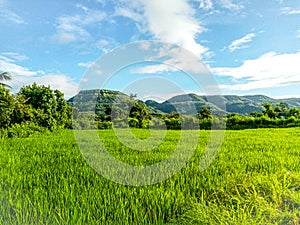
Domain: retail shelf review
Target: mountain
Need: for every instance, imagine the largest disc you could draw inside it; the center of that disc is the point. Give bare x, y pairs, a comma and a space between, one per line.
183, 104
187, 104
88, 100
233, 103
295, 102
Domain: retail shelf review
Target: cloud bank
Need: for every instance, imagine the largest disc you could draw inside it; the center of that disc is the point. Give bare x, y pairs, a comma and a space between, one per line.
22, 76
269, 70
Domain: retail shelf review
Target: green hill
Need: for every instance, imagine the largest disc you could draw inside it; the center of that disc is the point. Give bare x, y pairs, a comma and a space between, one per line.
101, 100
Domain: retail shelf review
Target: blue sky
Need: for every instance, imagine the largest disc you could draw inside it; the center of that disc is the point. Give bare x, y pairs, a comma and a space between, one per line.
250, 46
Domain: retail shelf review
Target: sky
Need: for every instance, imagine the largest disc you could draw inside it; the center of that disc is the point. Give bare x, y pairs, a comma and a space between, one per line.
249, 46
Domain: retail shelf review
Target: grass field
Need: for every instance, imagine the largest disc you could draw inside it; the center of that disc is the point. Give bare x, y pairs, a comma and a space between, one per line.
255, 179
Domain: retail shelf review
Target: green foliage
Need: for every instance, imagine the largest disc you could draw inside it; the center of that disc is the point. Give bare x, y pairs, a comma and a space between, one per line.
49, 107
33, 106
4, 76
156, 122
25, 129
22, 112
6, 107
103, 125
63, 112
294, 112
84, 121
269, 111
139, 114
173, 121
204, 113
206, 123
255, 179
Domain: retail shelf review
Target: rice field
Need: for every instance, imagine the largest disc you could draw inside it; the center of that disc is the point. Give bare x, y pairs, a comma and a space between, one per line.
255, 179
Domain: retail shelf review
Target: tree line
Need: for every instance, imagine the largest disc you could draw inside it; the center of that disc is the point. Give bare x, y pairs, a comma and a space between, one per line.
37, 108
278, 116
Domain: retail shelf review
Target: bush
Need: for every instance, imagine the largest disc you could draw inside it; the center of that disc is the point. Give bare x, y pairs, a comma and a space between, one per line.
3, 133
104, 125
120, 123
133, 122
24, 130
157, 123
173, 123
205, 124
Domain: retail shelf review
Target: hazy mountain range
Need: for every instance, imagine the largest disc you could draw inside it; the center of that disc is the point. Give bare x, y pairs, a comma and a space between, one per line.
185, 104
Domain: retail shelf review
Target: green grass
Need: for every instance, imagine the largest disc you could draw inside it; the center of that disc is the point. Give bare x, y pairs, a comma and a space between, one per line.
255, 179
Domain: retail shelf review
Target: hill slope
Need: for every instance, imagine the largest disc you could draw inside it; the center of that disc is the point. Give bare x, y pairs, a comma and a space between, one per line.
88, 100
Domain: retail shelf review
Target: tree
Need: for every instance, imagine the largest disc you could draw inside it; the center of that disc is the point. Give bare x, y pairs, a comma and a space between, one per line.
23, 112
173, 121
4, 76
256, 114
294, 112
49, 107
6, 107
269, 111
281, 109
132, 96
139, 111
63, 112
204, 113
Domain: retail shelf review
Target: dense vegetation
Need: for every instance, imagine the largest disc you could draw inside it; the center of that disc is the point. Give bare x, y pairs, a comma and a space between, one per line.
111, 109
33, 109
38, 108
255, 179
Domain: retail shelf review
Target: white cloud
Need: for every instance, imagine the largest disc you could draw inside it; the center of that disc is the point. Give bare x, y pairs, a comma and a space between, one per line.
80, 6
228, 4
172, 21
9, 15
129, 13
56, 81
154, 69
298, 33
289, 11
24, 76
171, 58
7, 64
269, 70
169, 21
15, 56
85, 64
239, 43
206, 4
106, 45
225, 4
73, 28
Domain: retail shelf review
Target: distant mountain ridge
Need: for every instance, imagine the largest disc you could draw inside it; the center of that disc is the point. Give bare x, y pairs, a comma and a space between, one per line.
233, 103
186, 103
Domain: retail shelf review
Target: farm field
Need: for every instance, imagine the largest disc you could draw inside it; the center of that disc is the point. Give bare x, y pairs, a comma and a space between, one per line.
255, 179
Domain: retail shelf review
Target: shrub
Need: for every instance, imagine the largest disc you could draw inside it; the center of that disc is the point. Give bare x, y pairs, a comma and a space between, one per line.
25, 130
104, 125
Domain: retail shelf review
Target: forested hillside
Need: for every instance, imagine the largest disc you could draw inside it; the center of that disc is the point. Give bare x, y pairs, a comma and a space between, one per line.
244, 105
